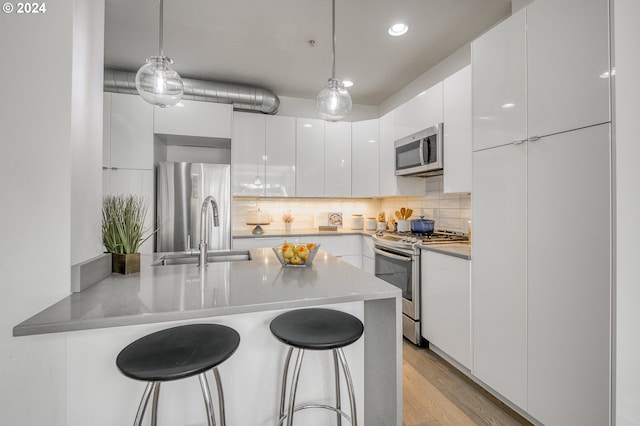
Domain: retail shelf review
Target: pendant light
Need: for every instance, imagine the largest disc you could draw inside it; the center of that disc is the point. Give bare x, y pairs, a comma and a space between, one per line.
156, 81
334, 101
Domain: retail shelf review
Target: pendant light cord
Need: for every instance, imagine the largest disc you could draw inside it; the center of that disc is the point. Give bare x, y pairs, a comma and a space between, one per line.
333, 29
161, 26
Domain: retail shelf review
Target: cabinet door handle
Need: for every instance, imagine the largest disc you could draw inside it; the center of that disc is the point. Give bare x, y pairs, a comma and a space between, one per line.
534, 138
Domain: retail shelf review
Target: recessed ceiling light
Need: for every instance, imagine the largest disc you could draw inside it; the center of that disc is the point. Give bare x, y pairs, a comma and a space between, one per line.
398, 29
508, 105
347, 83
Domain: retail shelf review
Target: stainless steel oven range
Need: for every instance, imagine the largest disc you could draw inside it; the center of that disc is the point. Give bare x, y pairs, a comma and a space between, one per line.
397, 261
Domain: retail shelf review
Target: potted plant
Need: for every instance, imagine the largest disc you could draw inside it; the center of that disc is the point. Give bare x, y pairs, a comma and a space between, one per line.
123, 230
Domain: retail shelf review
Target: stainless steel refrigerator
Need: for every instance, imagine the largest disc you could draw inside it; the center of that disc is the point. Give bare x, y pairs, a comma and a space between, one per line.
181, 189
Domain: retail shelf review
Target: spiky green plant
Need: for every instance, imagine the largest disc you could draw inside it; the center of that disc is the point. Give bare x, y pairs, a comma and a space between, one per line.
123, 223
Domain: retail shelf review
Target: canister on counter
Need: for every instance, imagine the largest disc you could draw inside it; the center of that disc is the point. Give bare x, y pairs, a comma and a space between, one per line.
370, 224
356, 221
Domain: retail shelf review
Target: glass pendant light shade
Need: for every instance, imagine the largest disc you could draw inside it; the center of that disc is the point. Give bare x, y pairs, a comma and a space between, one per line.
158, 83
334, 101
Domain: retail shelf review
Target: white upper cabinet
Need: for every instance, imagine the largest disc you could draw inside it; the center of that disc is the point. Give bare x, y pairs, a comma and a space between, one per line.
365, 174
568, 65
130, 143
248, 154
390, 184
263, 155
194, 118
420, 112
498, 83
309, 157
280, 141
457, 131
337, 159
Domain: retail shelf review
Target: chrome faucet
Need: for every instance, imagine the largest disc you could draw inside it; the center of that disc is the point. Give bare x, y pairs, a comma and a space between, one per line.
204, 234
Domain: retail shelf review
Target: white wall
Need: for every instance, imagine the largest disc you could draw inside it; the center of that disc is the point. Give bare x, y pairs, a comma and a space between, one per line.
86, 130
35, 182
627, 145
42, 125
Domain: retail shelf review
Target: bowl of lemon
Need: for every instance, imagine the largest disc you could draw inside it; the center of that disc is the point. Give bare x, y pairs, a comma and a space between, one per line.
296, 255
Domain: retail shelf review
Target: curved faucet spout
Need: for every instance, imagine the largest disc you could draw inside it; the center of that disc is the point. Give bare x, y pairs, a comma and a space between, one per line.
204, 232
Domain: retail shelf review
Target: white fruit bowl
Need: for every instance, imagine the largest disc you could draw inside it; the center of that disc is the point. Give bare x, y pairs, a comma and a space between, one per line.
300, 258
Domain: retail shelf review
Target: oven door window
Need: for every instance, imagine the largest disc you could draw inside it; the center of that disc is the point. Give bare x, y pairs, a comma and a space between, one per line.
395, 271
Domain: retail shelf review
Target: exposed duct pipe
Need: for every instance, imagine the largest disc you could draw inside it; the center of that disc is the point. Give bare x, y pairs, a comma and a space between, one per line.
244, 98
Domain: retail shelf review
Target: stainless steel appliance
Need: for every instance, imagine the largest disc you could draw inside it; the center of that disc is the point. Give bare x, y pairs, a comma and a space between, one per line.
421, 153
181, 190
397, 261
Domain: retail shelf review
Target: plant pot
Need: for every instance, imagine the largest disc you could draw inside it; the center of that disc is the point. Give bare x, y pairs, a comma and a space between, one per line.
125, 263
287, 226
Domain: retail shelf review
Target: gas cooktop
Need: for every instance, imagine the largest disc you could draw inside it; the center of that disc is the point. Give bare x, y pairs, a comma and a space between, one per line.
409, 238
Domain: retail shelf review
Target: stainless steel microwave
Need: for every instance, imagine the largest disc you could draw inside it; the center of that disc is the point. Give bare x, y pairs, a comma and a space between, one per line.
420, 154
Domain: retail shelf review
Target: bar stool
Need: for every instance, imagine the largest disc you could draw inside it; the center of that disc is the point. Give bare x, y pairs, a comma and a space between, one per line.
177, 353
316, 329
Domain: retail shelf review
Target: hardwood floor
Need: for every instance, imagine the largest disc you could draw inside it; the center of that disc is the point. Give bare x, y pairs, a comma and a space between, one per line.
435, 393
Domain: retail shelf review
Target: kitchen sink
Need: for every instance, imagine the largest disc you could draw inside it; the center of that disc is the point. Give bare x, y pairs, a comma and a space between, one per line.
212, 257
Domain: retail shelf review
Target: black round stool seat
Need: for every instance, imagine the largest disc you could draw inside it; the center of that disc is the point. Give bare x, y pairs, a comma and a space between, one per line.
178, 352
317, 328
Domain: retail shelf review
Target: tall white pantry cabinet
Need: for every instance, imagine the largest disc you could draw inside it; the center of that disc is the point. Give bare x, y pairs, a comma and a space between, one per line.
541, 205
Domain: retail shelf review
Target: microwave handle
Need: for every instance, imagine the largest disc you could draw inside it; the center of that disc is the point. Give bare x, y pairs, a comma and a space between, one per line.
421, 152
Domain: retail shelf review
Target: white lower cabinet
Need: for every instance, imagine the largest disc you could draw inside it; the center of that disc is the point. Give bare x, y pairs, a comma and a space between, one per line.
542, 275
568, 277
445, 298
499, 256
368, 256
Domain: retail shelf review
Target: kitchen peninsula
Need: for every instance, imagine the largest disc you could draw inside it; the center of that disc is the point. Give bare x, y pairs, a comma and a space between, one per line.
99, 321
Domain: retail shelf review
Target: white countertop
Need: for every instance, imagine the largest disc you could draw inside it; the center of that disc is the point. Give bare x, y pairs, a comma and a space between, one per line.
299, 232
178, 292
462, 250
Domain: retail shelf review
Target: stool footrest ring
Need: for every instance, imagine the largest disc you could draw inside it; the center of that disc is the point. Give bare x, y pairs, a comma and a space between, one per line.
321, 406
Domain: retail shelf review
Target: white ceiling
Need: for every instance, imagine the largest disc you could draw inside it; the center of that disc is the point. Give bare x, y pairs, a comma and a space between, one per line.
266, 42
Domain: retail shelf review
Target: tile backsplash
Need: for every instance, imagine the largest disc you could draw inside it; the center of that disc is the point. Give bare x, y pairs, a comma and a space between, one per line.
450, 211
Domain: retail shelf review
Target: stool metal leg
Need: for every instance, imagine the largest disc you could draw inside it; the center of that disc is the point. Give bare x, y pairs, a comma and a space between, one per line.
283, 392
352, 397
294, 387
207, 399
216, 374
337, 376
154, 406
143, 403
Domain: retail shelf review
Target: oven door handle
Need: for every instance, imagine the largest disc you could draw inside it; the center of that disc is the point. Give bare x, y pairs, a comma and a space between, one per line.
391, 255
